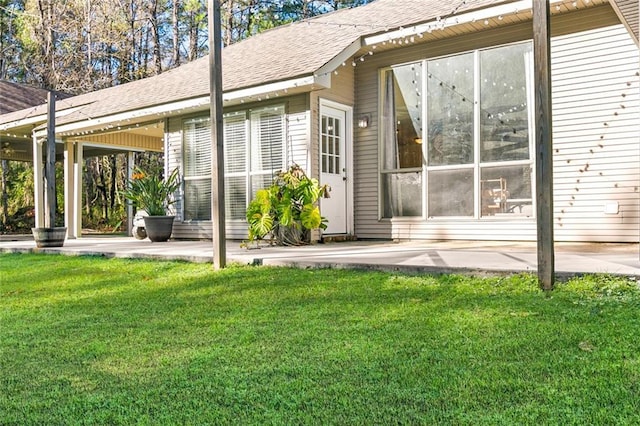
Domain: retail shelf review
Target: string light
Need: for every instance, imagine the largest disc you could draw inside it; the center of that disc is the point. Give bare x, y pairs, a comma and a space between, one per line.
618, 114
440, 23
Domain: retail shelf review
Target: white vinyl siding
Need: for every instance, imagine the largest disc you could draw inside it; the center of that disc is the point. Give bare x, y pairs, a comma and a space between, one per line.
596, 130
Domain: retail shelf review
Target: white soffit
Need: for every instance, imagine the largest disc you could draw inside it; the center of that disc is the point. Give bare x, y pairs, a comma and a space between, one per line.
286, 87
36, 119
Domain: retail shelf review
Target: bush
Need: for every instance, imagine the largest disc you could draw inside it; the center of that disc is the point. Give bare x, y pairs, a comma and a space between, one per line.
288, 210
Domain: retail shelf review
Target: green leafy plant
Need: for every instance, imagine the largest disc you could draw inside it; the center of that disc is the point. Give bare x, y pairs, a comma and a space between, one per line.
152, 193
288, 210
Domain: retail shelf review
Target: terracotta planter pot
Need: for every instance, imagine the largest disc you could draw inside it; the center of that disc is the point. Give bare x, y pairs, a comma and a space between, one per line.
49, 237
159, 228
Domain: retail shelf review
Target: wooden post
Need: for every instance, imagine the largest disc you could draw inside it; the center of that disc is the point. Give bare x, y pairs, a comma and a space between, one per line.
217, 137
544, 149
50, 164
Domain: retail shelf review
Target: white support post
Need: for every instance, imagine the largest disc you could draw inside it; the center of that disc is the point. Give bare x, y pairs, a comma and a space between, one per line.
77, 190
131, 157
69, 189
38, 183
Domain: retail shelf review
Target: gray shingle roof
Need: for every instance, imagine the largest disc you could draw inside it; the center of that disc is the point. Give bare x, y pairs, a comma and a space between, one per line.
283, 53
14, 96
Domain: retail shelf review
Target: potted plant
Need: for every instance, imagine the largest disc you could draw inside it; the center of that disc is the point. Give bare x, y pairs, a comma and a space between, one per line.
288, 210
154, 195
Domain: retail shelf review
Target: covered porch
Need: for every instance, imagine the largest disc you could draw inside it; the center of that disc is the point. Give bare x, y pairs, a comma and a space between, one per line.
73, 145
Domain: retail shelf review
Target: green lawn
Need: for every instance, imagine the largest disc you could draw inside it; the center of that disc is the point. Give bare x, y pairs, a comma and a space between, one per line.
112, 341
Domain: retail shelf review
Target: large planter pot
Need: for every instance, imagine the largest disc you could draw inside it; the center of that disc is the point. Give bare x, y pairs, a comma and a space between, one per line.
158, 228
49, 237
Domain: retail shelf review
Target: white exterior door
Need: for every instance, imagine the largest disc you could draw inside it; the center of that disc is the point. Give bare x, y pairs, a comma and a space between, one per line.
334, 166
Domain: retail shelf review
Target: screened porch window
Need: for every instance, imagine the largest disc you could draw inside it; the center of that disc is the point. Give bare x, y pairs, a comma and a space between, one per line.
473, 112
253, 153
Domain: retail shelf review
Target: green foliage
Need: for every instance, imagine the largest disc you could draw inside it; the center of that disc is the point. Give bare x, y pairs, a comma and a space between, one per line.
151, 192
288, 209
88, 340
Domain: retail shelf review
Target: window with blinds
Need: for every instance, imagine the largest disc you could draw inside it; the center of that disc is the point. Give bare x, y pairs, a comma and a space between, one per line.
235, 163
197, 169
267, 146
254, 144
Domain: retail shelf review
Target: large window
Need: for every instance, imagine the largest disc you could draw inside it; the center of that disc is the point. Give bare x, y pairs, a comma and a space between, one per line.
472, 112
254, 151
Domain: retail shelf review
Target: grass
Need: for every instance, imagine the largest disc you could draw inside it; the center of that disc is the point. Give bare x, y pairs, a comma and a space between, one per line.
112, 341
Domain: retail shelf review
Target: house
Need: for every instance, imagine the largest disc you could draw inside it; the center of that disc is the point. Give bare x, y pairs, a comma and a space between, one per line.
417, 113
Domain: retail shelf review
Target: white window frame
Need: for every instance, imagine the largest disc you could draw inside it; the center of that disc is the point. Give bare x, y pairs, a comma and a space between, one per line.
247, 172
477, 164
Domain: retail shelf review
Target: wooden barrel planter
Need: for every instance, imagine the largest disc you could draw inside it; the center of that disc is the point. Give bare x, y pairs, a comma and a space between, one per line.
49, 237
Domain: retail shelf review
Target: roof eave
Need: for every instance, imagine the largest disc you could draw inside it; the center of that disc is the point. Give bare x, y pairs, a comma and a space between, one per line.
300, 84
271, 90
470, 17
623, 18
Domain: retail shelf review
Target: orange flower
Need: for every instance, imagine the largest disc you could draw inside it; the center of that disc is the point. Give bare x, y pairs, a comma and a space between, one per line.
137, 176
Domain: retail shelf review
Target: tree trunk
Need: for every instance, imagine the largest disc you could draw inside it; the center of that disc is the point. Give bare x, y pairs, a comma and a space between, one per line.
155, 35
175, 56
132, 34
193, 36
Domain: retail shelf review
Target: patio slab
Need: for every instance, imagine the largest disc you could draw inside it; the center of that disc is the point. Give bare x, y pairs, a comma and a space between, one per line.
471, 257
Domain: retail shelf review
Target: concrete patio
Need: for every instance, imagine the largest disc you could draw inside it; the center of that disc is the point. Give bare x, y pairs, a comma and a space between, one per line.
470, 257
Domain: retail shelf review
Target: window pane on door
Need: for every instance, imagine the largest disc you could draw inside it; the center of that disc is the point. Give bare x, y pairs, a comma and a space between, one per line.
197, 169
235, 143
235, 194
331, 143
